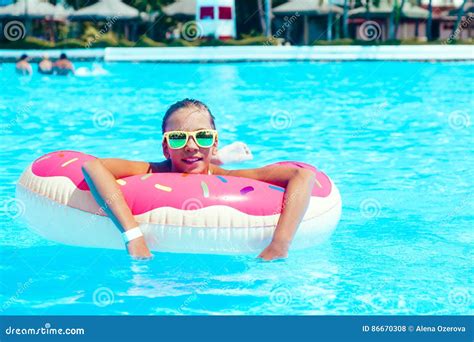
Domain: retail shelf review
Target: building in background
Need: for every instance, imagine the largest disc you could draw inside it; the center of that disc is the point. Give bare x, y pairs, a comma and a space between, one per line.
303, 22
452, 24
445, 15
378, 23
33, 17
439, 3
216, 18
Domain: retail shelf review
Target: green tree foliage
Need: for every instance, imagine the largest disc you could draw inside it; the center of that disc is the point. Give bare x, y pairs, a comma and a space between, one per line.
148, 6
248, 16
359, 3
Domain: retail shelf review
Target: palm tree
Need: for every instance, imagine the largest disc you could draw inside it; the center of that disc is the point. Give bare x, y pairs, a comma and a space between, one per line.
418, 3
458, 20
261, 15
268, 16
430, 20
264, 13
367, 9
329, 31
345, 28
391, 21
398, 17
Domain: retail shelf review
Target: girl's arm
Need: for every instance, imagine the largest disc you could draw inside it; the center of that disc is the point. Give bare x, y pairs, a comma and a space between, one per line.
299, 184
101, 175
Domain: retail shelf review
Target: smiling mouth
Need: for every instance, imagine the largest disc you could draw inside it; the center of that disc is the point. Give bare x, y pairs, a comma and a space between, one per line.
191, 161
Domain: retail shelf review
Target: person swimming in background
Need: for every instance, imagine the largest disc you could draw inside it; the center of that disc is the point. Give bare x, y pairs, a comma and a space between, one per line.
189, 143
23, 66
45, 66
63, 66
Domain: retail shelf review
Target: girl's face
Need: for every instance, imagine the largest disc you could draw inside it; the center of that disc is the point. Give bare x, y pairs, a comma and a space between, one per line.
191, 158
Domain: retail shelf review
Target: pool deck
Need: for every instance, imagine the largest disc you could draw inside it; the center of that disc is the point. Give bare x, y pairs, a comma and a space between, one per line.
260, 53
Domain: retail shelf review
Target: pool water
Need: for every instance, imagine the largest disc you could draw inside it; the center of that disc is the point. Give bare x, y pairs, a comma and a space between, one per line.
394, 137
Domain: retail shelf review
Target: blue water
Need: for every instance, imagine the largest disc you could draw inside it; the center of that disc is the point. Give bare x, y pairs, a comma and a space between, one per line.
394, 136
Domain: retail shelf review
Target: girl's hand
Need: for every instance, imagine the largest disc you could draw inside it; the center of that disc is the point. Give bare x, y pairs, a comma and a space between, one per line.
138, 249
233, 153
275, 250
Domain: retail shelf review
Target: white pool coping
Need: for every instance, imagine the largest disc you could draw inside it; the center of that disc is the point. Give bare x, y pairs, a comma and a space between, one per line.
54, 53
261, 53
291, 53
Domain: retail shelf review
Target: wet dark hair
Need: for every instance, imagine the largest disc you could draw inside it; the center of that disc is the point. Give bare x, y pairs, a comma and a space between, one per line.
62, 56
186, 103
23, 56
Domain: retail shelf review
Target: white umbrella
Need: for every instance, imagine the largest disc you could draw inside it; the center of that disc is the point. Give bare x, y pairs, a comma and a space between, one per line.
385, 9
306, 7
61, 12
181, 7
34, 9
106, 9
30, 8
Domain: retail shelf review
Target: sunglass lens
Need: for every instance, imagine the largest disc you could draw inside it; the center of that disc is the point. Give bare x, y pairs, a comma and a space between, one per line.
205, 138
177, 140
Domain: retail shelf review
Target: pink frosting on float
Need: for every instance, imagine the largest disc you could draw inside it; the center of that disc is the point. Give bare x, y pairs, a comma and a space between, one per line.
63, 163
144, 193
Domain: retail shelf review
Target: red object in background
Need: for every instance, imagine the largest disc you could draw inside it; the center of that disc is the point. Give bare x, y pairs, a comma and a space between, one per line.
225, 13
207, 12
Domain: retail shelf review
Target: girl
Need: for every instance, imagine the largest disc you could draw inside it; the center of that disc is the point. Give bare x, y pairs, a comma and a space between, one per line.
189, 143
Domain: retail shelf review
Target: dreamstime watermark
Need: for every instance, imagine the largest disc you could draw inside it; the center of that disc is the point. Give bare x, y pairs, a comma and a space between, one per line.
370, 30
14, 30
103, 119
192, 206
459, 297
21, 115
286, 25
13, 208
103, 296
281, 119
21, 288
376, 112
465, 203
465, 23
287, 199
101, 211
280, 296
319, 301
379, 301
193, 297
458, 120
379, 108
109, 200
46, 330
108, 25
370, 208
191, 31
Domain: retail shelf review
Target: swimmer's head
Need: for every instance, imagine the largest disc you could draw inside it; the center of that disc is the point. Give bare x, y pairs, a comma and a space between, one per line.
62, 56
23, 57
189, 115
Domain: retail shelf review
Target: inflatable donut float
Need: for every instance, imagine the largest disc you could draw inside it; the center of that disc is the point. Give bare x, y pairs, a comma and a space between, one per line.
181, 213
